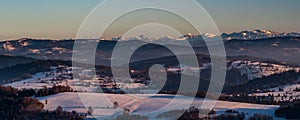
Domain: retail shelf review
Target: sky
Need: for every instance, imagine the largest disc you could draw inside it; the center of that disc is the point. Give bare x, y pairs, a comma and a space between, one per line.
60, 19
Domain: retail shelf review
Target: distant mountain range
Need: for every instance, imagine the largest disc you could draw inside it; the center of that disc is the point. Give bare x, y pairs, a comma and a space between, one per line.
257, 34
283, 47
259, 46
243, 35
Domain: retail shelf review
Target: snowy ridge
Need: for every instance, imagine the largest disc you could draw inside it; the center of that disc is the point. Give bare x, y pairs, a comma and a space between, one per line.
243, 35
8, 47
255, 70
257, 34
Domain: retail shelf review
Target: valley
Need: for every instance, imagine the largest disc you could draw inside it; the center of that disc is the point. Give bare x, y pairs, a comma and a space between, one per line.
262, 78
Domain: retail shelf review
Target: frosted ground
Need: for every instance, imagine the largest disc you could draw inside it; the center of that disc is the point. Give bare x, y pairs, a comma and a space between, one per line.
145, 104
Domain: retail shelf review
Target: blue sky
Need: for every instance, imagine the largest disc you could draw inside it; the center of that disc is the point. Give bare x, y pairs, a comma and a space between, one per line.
62, 18
234, 15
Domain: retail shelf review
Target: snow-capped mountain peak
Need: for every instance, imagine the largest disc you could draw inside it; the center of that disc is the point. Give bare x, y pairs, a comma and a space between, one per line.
145, 38
166, 38
257, 34
140, 37
209, 35
243, 35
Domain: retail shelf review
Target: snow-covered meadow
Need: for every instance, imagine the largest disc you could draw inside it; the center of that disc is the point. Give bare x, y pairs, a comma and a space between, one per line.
145, 104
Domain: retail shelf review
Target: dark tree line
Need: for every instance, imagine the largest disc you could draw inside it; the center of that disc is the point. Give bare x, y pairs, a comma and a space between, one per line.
16, 105
44, 91
23, 71
264, 83
260, 117
265, 100
54, 90
289, 110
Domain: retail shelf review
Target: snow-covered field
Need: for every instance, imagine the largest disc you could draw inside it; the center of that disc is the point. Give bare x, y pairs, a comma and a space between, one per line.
55, 77
38, 81
287, 92
145, 104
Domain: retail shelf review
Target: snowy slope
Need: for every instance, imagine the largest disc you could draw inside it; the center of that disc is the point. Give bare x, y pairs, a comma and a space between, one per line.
37, 81
140, 104
255, 70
